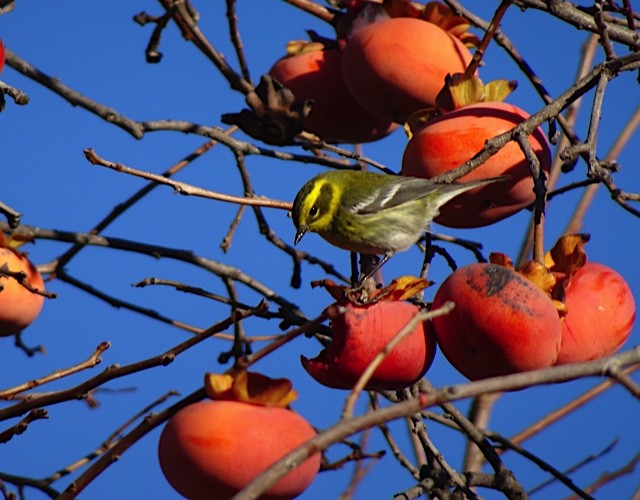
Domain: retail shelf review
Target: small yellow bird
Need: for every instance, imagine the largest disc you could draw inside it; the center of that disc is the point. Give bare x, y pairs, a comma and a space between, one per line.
372, 213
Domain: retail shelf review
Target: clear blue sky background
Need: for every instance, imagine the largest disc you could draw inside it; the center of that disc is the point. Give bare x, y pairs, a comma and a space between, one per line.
96, 48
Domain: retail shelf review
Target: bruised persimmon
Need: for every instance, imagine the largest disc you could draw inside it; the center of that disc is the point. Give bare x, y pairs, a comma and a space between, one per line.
600, 314
359, 334
454, 138
335, 116
212, 449
502, 323
397, 66
18, 305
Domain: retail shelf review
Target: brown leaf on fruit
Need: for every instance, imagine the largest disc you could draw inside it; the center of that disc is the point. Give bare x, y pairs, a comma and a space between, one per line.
460, 90
402, 288
568, 254
501, 259
275, 117
338, 292
249, 387
441, 15
418, 119
539, 274
296, 47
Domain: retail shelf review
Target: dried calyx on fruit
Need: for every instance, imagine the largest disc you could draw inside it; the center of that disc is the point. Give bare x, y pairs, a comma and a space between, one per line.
249, 387
275, 115
459, 91
362, 331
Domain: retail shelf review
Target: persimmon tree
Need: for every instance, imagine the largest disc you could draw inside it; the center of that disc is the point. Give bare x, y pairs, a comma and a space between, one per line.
194, 99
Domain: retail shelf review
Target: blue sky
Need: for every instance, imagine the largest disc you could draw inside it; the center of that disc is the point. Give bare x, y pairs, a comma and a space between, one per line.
96, 48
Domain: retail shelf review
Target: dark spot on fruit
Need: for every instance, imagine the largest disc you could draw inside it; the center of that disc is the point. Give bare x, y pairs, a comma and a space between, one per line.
497, 278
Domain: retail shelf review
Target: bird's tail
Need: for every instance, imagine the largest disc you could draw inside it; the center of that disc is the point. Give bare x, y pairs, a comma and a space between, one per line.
449, 191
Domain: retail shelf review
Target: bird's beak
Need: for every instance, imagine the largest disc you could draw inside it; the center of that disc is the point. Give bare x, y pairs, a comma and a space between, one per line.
300, 233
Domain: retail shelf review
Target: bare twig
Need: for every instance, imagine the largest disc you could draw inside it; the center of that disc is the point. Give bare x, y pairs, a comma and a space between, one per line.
90, 362
574, 468
115, 371
566, 409
108, 443
184, 188
182, 15
121, 208
352, 425
21, 426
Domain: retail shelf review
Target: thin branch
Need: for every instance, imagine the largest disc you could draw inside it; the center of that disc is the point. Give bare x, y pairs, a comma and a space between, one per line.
577, 219
184, 188
488, 36
234, 33
122, 304
393, 445
72, 96
116, 371
544, 465
20, 427
566, 409
607, 477
121, 208
90, 362
479, 413
313, 8
585, 461
154, 420
183, 15
571, 14
108, 443
352, 425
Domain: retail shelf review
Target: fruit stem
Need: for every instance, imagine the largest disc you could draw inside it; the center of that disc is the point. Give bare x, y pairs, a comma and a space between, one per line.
486, 39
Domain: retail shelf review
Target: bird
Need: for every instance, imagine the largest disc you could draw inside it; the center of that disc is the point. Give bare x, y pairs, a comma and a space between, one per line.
372, 213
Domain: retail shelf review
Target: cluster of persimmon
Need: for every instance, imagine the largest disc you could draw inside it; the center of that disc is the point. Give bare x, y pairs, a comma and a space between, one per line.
395, 63
565, 310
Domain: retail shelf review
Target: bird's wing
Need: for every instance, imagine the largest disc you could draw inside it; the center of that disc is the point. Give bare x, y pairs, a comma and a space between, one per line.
403, 190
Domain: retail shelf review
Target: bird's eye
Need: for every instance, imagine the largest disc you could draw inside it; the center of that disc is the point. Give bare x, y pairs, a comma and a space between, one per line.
313, 211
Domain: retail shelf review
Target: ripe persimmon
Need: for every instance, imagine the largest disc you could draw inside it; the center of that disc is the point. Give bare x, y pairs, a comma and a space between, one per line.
502, 323
18, 305
397, 66
212, 449
335, 116
454, 138
359, 334
601, 312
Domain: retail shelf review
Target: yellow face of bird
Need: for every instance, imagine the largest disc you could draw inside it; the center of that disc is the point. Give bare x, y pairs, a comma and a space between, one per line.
315, 206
